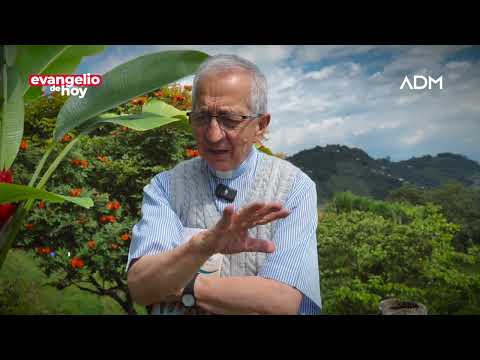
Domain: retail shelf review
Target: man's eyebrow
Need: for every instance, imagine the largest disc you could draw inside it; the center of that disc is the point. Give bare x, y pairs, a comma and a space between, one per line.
219, 110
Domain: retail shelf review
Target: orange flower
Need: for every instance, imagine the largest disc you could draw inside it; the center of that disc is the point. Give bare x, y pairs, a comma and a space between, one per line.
66, 138
124, 128
29, 226
139, 101
107, 218
41, 205
81, 163
92, 244
187, 87
76, 192
102, 158
77, 263
24, 145
192, 153
158, 93
44, 250
125, 237
113, 205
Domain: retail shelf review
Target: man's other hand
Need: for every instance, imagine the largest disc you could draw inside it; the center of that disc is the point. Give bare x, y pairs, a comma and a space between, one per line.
230, 234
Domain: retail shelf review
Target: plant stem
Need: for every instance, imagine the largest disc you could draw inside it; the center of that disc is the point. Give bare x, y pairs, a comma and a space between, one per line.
56, 162
41, 164
46, 176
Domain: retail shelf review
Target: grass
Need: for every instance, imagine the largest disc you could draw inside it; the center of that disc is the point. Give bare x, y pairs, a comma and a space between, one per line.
23, 292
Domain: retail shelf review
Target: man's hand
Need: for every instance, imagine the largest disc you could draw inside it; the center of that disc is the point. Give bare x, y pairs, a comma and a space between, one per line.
230, 234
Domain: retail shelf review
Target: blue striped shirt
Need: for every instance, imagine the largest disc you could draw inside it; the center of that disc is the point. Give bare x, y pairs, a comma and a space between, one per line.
294, 261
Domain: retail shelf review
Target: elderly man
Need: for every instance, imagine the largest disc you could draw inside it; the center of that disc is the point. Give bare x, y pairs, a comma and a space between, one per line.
255, 214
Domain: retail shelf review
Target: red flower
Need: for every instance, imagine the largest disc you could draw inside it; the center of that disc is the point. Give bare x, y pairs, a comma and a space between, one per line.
81, 163
77, 263
66, 138
6, 212
92, 244
179, 98
192, 153
139, 101
44, 250
125, 237
113, 205
6, 176
76, 192
24, 145
29, 226
41, 205
107, 218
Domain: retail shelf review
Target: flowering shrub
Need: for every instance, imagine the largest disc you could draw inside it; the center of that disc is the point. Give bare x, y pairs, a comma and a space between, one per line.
88, 248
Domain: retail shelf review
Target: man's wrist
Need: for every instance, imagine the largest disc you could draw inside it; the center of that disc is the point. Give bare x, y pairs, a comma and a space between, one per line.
200, 245
201, 287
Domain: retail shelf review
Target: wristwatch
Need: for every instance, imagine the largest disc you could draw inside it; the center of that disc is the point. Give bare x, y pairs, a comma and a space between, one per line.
188, 295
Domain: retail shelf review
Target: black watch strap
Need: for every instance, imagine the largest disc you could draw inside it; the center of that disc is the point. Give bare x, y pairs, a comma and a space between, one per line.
189, 289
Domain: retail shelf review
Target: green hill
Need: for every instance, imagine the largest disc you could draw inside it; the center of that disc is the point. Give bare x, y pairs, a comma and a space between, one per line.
336, 168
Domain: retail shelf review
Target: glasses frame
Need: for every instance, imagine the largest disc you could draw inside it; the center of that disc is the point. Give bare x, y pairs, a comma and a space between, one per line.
244, 117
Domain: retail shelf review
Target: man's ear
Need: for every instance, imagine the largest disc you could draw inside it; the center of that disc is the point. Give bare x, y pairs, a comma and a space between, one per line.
263, 123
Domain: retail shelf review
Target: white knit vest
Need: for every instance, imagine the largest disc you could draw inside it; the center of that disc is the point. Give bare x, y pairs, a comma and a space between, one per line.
193, 202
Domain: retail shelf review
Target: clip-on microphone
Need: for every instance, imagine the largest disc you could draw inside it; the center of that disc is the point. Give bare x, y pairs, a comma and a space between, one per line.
225, 192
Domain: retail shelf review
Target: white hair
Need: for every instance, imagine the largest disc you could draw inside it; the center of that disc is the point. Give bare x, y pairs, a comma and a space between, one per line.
225, 63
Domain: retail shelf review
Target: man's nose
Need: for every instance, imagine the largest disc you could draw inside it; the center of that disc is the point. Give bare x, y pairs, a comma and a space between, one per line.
214, 132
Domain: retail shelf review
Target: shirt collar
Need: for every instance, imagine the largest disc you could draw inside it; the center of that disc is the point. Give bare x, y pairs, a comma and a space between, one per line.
245, 165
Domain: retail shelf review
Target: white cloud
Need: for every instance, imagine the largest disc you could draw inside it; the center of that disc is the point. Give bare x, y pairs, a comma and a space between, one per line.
415, 138
315, 53
321, 74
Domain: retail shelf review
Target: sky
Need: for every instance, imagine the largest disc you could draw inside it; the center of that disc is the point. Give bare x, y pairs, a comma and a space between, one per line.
350, 95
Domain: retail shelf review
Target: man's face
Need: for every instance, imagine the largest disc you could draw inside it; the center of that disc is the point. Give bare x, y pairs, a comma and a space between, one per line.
226, 93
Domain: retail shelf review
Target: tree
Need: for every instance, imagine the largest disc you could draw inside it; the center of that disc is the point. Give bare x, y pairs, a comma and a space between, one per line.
459, 204
88, 248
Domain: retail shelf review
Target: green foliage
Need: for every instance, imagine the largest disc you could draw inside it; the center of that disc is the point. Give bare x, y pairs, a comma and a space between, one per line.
460, 205
393, 250
40, 117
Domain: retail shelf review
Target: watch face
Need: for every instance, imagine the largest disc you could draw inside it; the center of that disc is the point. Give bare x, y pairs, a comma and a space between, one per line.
188, 300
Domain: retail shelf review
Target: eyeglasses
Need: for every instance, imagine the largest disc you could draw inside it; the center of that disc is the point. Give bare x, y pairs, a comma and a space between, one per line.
226, 121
